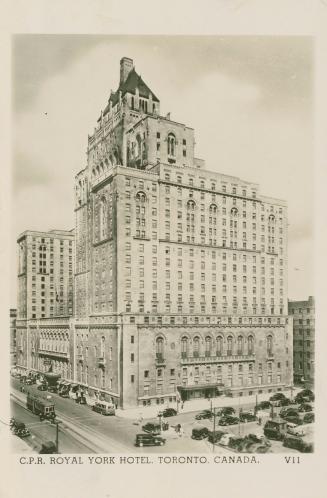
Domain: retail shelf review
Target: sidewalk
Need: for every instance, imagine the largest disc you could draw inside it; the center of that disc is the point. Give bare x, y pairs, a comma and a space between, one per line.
147, 412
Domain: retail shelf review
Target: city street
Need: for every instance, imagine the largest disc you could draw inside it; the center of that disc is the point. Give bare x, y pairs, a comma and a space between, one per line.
84, 431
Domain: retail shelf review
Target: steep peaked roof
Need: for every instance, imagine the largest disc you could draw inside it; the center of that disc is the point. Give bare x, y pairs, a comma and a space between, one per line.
132, 82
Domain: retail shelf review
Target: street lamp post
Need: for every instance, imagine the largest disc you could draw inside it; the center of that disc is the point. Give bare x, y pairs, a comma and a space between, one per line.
214, 430
57, 422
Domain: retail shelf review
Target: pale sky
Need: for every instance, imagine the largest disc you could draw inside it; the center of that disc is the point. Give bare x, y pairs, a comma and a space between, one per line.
249, 100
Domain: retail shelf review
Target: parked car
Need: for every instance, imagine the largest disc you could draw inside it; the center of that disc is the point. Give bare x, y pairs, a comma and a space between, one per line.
309, 418
149, 440
288, 412
277, 397
48, 447
305, 407
200, 433
224, 440
281, 402
226, 410
42, 387
228, 420
247, 417
151, 428
169, 412
204, 414
263, 405
293, 419
275, 429
295, 430
214, 437
304, 396
298, 444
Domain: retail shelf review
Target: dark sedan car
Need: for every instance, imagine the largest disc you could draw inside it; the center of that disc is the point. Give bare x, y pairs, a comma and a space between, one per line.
169, 412
305, 407
247, 417
228, 421
151, 428
204, 414
226, 410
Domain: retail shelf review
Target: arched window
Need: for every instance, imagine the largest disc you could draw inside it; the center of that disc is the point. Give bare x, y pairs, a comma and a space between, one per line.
271, 219
103, 218
269, 345
196, 347
190, 205
213, 209
184, 347
171, 145
250, 345
229, 345
219, 346
140, 197
159, 348
234, 212
208, 343
240, 345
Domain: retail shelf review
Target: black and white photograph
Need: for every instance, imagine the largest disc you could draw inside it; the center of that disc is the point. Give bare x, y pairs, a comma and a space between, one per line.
162, 290
162, 249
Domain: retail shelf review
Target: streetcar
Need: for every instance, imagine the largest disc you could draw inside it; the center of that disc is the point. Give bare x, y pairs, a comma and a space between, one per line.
39, 405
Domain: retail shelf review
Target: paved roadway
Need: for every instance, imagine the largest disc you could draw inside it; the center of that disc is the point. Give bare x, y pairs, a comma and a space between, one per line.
86, 431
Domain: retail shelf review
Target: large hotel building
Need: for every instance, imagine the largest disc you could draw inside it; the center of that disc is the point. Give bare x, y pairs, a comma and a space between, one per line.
181, 272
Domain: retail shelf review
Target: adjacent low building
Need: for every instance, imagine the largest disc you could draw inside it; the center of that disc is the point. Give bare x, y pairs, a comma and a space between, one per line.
303, 313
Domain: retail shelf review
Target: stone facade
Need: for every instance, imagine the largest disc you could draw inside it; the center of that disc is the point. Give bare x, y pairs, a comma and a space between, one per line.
181, 272
303, 313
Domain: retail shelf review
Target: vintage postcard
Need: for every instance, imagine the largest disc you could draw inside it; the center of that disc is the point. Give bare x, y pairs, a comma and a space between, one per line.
163, 296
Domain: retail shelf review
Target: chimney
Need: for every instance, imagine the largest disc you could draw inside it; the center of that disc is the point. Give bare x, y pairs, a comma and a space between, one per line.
126, 65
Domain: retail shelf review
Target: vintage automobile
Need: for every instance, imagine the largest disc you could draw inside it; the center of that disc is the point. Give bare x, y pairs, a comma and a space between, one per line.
19, 429
305, 407
226, 410
297, 443
169, 412
309, 418
277, 397
204, 414
263, 405
305, 396
49, 447
247, 417
200, 433
149, 440
275, 429
151, 428
228, 420
288, 412
214, 437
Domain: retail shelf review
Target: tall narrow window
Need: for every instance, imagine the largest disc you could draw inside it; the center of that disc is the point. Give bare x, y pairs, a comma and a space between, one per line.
196, 347
250, 345
229, 345
208, 346
159, 348
219, 346
171, 145
269, 345
103, 218
240, 345
184, 347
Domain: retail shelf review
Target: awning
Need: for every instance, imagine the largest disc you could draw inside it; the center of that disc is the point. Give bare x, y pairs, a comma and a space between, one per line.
198, 387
